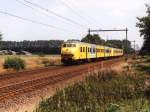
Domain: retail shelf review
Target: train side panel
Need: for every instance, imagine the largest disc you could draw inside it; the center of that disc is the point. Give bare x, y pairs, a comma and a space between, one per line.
77, 51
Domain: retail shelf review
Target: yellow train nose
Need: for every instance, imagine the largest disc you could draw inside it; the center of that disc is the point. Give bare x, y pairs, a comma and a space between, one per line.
66, 51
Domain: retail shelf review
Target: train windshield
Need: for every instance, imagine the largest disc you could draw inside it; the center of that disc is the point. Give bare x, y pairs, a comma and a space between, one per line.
69, 45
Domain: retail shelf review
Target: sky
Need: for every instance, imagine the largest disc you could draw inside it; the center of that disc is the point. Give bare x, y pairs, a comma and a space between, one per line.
84, 14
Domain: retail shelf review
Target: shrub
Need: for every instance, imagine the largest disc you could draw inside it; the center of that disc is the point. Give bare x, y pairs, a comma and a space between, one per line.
113, 108
125, 58
14, 63
41, 54
145, 68
147, 59
47, 62
102, 92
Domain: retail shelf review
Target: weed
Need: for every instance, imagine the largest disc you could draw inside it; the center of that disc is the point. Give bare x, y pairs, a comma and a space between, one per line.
145, 68
14, 63
45, 62
102, 92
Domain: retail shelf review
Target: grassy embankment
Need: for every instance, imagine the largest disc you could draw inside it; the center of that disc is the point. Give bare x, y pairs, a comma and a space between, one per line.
142, 65
33, 61
109, 91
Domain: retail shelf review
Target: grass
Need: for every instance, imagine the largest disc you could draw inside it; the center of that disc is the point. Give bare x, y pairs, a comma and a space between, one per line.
33, 61
147, 60
142, 65
107, 91
143, 68
101, 92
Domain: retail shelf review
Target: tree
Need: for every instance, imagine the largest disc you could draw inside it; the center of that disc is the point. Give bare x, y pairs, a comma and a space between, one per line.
121, 44
96, 39
0, 36
127, 46
114, 43
93, 39
37, 47
144, 26
0, 40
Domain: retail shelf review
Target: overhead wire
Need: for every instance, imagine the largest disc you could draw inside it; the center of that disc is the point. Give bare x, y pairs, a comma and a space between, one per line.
54, 13
88, 18
74, 11
32, 21
19, 1
22, 3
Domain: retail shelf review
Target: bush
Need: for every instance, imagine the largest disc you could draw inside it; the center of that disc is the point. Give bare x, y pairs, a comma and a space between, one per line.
147, 59
125, 58
47, 62
102, 92
41, 54
14, 63
144, 68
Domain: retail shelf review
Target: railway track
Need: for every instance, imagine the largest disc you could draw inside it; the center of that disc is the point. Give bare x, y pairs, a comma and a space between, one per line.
26, 72
59, 74
10, 91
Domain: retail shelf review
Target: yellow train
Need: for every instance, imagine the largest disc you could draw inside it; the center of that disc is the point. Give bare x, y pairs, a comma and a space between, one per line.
79, 51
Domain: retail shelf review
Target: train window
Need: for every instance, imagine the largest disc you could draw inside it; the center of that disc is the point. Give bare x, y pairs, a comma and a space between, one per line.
80, 49
69, 45
64, 45
86, 49
93, 50
83, 49
107, 51
73, 45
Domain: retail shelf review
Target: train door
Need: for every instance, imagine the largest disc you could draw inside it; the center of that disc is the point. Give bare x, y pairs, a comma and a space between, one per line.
81, 50
109, 52
104, 51
86, 52
93, 53
96, 49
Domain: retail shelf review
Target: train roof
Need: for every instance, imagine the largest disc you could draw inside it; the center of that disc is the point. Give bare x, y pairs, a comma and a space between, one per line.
79, 42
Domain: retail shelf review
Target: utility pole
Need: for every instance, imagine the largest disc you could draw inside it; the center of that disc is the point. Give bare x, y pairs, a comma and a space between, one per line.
126, 41
134, 47
89, 31
117, 30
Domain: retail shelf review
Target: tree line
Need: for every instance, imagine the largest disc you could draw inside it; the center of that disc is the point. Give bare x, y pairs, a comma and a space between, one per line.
54, 46
37, 47
144, 28
96, 39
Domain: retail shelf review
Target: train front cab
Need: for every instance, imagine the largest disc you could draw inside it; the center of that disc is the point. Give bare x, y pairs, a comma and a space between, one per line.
69, 52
